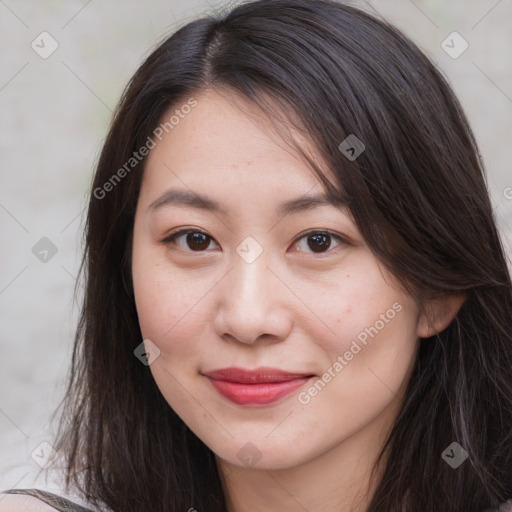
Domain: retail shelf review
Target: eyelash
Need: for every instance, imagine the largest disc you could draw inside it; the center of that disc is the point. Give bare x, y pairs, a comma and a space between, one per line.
172, 237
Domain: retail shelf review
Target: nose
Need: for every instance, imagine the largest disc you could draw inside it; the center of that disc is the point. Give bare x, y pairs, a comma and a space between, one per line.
253, 304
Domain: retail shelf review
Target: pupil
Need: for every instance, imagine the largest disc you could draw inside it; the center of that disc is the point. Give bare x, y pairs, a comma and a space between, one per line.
320, 242
197, 240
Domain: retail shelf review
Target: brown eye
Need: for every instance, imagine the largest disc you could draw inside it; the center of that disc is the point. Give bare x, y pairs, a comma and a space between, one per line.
197, 240
194, 240
318, 241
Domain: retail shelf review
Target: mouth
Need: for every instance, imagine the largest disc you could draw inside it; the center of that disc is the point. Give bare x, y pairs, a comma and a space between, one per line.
259, 387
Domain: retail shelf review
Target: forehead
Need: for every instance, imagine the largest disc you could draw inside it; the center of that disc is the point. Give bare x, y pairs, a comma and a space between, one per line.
225, 143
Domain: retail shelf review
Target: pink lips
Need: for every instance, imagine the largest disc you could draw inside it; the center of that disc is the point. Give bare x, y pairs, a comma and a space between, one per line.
262, 386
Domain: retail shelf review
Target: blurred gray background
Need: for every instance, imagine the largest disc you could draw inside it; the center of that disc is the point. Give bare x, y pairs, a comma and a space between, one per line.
55, 111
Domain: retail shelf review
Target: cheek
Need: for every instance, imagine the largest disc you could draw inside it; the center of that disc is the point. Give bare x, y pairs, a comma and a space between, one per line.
170, 309
366, 368
360, 307
370, 362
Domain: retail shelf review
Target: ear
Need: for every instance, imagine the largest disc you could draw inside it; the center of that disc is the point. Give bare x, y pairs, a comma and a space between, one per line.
438, 314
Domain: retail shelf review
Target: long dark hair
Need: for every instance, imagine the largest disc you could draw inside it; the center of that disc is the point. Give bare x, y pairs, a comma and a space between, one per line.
419, 198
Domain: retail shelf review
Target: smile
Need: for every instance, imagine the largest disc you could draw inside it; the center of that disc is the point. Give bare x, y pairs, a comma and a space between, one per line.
258, 387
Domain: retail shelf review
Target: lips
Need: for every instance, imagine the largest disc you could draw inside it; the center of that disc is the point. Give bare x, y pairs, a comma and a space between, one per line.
259, 387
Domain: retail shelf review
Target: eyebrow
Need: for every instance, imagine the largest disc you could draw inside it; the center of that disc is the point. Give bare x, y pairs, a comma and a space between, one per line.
188, 199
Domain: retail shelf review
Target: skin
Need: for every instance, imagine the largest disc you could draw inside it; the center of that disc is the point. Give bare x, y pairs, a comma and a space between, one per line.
291, 308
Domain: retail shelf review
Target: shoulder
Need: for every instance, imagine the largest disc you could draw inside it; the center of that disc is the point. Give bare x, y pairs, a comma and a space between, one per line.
38, 500
506, 507
503, 507
22, 503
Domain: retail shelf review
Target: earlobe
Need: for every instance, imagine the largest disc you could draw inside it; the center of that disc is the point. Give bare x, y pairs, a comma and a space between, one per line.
438, 314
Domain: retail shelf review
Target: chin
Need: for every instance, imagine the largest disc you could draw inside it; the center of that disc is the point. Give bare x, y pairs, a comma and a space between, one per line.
262, 455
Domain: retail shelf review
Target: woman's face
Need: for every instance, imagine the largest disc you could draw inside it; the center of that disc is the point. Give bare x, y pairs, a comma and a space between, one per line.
315, 338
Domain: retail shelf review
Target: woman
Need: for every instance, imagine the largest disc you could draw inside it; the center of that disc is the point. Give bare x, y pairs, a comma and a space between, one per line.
296, 294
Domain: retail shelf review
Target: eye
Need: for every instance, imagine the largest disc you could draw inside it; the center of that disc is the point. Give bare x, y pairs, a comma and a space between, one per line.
195, 240
198, 241
319, 241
